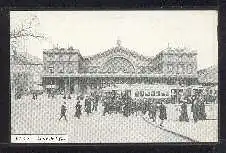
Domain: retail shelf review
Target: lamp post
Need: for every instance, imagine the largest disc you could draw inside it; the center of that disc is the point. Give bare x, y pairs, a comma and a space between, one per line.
69, 86
177, 84
64, 88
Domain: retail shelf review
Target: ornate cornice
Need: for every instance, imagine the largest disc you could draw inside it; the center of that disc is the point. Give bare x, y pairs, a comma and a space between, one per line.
118, 51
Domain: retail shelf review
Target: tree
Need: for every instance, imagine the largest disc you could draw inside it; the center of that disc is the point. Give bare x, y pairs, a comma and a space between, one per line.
24, 28
21, 29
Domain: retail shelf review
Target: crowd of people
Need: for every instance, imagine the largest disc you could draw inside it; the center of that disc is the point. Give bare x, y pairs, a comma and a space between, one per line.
197, 108
125, 105
90, 105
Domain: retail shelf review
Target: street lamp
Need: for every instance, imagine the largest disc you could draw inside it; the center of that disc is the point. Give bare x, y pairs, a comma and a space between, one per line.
69, 86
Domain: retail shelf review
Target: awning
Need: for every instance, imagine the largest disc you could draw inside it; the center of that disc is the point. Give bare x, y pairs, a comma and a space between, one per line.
132, 75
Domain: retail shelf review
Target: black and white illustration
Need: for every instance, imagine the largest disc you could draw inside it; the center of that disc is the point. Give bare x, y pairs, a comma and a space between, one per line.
114, 76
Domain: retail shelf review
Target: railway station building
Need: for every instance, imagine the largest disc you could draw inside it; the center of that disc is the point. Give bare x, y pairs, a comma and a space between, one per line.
68, 70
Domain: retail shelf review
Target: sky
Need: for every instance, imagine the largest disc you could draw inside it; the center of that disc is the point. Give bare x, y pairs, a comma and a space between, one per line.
146, 32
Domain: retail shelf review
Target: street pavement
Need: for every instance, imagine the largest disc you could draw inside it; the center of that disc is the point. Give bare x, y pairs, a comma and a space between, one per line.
42, 117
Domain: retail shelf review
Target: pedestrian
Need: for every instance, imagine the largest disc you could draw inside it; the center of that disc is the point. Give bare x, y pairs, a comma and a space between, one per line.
143, 104
133, 107
106, 106
184, 113
63, 111
127, 106
64, 97
194, 108
152, 111
126, 109
49, 94
69, 96
52, 93
118, 105
33, 95
162, 114
95, 103
87, 105
202, 112
36, 95
78, 112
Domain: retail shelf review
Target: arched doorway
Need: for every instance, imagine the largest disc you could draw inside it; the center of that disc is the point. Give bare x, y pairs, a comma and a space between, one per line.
118, 65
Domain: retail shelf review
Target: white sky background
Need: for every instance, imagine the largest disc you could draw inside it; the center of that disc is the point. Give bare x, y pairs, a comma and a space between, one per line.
146, 32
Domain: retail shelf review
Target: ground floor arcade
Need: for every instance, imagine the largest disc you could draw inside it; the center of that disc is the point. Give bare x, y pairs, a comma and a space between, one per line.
85, 83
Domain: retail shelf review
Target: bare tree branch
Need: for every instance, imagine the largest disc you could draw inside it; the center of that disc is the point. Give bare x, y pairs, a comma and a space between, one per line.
27, 29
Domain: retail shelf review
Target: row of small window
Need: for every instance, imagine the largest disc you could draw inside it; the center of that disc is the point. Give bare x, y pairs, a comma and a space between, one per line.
180, 68
61, 70
183, 58
152, 93
53, 57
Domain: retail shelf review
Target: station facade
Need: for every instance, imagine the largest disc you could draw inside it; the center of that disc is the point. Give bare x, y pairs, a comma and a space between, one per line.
71, 72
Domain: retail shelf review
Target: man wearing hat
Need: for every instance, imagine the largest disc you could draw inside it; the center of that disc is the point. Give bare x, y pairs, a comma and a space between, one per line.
63, 111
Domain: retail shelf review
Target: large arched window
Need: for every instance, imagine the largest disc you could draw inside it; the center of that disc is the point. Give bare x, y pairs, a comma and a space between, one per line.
118, 65
189, 68
170, 68
51, 69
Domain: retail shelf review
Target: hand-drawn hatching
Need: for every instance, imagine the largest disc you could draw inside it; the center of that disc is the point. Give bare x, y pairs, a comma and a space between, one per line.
114, 96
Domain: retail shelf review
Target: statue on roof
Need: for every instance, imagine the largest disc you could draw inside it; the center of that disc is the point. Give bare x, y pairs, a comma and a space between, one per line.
119, 42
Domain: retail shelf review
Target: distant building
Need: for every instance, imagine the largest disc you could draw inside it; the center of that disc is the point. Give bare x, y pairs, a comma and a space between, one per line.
26, 71
208, 76
69, 70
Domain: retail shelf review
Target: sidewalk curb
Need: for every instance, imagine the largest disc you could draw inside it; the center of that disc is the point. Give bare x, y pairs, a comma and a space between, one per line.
177, 134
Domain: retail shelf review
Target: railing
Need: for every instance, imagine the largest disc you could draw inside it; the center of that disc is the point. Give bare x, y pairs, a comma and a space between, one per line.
118, 75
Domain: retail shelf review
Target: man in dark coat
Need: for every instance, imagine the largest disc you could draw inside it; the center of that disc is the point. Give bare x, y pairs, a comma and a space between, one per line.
152, 111
202, 112
184, 113
126, 109
95, 103
143, 104
88, 105
33, 96
106, 106
52, 93
64, 97
49, 93
162, 114
78, 110
128, 106
63, 111
195, 108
